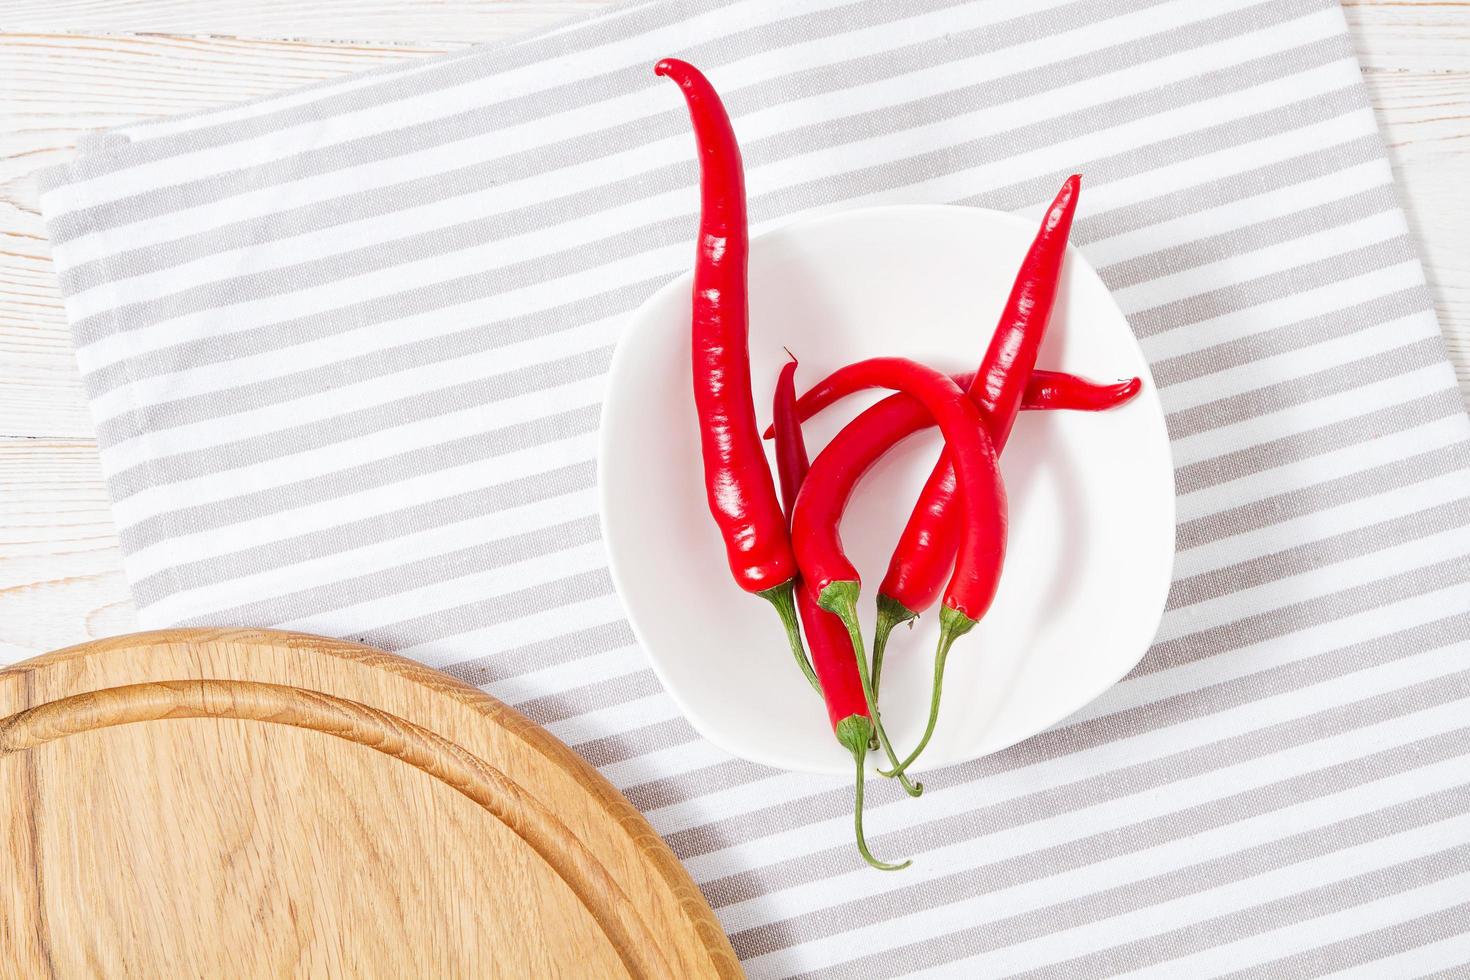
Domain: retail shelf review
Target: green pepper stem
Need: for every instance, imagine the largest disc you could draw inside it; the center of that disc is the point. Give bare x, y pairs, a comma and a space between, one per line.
841, 598
783, 597
891, 613
953, 624
853, 732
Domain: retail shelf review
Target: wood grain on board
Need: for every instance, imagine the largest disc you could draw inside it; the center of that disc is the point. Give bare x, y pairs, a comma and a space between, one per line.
70, 66
255, 803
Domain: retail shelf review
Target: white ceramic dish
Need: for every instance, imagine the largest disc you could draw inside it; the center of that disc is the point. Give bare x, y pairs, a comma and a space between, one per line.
1091, 495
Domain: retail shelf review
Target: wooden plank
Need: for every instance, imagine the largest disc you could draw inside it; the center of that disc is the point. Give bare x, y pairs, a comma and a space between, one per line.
1410, 35
61, 578
1425, 120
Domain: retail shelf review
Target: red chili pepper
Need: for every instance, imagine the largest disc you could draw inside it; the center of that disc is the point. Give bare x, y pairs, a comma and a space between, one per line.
1046, 391
832, 656
737, 478
1053, 389
791, 458
823, 497
921, 558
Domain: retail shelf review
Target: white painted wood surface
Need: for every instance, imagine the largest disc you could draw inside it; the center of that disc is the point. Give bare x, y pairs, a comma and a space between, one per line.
70, 66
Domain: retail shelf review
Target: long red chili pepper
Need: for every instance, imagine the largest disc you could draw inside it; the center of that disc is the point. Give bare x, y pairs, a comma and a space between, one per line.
1046, 391
921, 556
737, 478
842, 685
823, 497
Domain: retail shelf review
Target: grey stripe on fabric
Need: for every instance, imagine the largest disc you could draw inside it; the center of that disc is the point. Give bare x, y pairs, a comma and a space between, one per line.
186, 355
1237, 241
1359, 950
1307, 388
1303, 558
1309, 904
1315, 274
1297, 446
501, 608
1457, 972
547, 652
687, 786
479, 338
607, 750
416, 518
551, 708
802, 196
1284, 620
814, 81
1118, 784
365, 476
1184, 146
1221, 191
1119, 900
1268, 511
1101, 787
1171, 710
1295, 336
433, 570
320, 433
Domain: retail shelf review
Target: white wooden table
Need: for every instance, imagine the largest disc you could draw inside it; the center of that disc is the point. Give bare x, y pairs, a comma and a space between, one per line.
69, 66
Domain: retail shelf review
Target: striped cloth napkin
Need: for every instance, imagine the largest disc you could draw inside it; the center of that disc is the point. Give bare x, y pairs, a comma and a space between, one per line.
345, 348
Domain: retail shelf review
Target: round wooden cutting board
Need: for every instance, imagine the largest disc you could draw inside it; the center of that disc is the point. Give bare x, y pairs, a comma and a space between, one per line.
250, 803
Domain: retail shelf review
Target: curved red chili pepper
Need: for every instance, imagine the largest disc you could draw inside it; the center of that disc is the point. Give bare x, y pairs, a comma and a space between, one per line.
832, 656
920, 558
922, 581
737, 478
823, 497
1046, 391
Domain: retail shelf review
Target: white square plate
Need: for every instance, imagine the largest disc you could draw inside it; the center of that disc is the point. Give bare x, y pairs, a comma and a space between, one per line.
1091, 495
